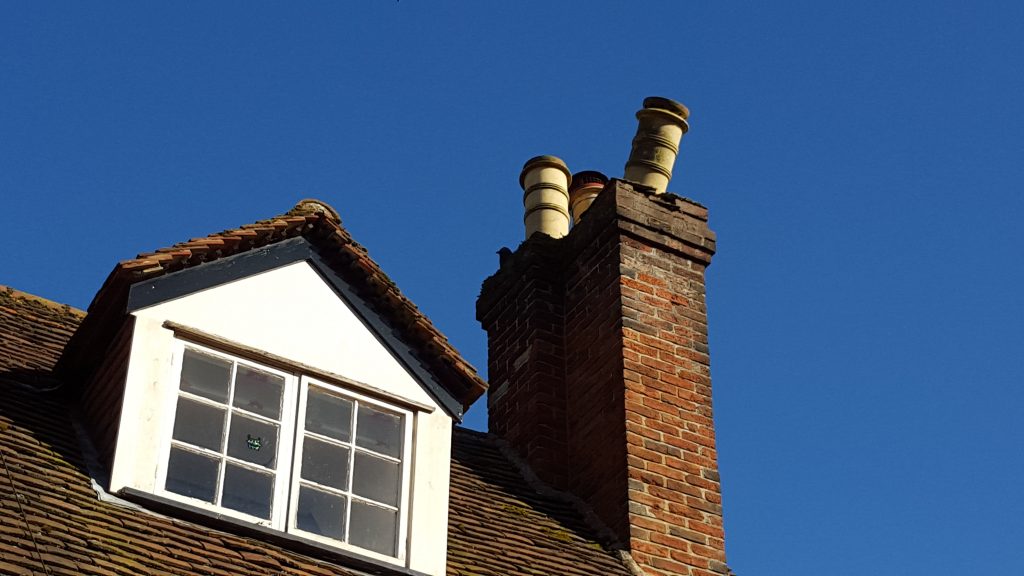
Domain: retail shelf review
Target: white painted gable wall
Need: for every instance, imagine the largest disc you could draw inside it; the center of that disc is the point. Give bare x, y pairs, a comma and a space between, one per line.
293, 313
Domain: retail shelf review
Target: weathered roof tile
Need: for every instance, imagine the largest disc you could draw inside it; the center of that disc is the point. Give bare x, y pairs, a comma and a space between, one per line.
319, 224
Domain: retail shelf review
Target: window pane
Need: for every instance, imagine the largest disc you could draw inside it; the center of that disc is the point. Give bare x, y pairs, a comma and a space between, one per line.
376, 478
258, 391
199, 424
379, 431
247, 491
321, 513
191, 474
373, 528
329, 415
205, 375
325, 463
253, 440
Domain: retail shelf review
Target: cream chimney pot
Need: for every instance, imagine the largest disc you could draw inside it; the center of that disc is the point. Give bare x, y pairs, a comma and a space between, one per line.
545, 182
656, 144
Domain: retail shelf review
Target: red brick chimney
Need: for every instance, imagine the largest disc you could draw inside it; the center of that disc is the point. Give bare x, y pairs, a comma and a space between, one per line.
599, 370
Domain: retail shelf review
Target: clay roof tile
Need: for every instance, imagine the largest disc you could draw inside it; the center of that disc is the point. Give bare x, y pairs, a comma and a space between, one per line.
320, 224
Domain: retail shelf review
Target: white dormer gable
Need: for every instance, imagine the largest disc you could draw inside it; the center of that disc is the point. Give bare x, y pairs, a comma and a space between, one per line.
267, 392
293, 313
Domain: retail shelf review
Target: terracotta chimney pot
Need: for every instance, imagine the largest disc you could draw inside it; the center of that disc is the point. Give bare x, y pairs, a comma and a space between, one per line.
585, 187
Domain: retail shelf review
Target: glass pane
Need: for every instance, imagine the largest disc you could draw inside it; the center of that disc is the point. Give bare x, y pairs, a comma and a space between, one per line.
321, 513
258, 391
325, 463
247, 491
253, 440
205, 375
379, 431
191, 474
373, 528
329, 415
199, 424
376, 478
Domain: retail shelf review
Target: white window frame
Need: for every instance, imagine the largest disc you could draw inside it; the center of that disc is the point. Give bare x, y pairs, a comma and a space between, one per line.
404, 473
284, 504
285, 438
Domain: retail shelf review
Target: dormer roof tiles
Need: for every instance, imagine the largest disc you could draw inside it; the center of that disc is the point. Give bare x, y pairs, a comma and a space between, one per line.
321, 226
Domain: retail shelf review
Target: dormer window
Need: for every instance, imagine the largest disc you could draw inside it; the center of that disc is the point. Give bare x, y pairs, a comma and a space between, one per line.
288, 451
256, 388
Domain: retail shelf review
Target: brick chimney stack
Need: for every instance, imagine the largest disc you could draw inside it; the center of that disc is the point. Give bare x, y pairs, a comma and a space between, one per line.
599, 372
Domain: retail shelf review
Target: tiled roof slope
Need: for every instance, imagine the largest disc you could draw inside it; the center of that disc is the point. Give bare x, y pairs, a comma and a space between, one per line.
498, 525
34, 330
321, 226
52, 522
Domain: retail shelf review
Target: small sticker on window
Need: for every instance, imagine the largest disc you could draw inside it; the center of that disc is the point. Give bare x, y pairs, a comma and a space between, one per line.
254, 442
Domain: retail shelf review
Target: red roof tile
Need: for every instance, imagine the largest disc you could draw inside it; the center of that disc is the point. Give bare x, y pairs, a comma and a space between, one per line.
320, 225
499, 524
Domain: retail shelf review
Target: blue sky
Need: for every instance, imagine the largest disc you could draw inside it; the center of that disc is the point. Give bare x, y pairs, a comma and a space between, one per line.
863, 165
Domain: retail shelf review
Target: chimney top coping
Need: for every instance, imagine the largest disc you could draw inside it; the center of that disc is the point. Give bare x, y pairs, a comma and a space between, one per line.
686, 205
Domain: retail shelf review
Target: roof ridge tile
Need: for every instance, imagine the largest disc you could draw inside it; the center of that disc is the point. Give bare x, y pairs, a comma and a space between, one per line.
57, 306
320, 224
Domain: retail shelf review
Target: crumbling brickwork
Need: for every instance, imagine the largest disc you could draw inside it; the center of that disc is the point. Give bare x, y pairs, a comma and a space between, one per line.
600, 373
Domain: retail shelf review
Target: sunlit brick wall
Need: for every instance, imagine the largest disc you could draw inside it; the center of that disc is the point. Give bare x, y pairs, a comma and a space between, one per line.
599, 354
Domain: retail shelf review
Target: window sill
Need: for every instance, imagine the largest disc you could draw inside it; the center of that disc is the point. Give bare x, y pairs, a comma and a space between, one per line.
292, 542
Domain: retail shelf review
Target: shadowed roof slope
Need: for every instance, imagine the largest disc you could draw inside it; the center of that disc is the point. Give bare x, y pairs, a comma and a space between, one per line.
499, 525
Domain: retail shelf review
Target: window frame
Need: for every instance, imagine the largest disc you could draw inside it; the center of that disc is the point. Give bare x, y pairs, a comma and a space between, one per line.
405, 473
287, 476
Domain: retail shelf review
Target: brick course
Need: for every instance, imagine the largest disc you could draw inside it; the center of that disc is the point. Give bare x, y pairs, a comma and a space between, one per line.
600, 378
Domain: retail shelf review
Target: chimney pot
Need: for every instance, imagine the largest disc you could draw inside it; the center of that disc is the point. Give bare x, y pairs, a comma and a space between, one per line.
585, 187
545, 183
662, 123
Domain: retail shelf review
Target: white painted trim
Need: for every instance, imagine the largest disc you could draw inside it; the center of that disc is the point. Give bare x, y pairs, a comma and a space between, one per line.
284, 505
402, 512
227, 346
285, 442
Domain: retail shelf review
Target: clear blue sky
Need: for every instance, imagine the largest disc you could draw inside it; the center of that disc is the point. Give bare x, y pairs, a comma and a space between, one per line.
863, 165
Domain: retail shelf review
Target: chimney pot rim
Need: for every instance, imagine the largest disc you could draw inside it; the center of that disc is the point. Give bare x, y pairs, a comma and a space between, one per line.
543, 160
585, 177
667, 104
